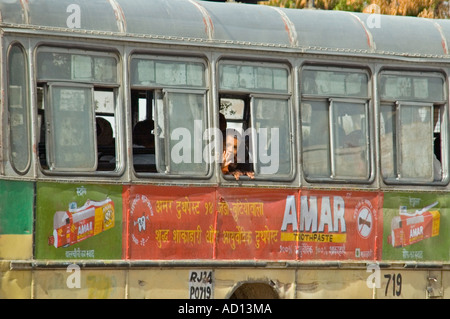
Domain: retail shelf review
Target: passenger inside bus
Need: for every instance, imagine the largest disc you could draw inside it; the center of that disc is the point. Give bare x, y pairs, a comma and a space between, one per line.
232, 163
144, 143
104, 132
105, 144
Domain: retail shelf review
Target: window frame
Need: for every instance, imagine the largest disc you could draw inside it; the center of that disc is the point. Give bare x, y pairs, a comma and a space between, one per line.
160, 94
25, 106
333, 162
366, 100
256, 142
44, 83
248, 95
396, 103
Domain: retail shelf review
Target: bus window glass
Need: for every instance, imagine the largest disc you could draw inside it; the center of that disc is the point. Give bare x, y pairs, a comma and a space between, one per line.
72, 128
234, 76
18, 109
350, 137
407, 142
62, 65
316, 140
334, 123
412, 88
145, 72
334, 83
415, 141
274, 139
233, 110
185, 114
411, 121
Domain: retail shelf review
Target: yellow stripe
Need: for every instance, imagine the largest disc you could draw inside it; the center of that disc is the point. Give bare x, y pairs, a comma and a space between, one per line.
314, 237
16, 246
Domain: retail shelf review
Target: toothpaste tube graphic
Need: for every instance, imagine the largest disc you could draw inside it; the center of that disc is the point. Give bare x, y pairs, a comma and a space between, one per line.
408, 229
77, 224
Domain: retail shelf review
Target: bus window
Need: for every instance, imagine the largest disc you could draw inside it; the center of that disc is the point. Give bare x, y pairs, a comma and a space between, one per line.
105, 119
255, 101
18, 109
411, 127
236, 136
76, 110
144, 155
168, 107
334, 120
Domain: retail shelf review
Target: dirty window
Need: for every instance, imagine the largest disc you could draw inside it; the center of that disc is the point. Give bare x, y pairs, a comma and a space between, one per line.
71, 128
334, 124
18, 109
412, 127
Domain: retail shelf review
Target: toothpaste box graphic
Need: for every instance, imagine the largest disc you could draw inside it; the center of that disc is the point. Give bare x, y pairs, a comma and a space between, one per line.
408, 229
78, 224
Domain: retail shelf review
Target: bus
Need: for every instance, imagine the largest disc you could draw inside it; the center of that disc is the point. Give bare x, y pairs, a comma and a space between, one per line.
112, 180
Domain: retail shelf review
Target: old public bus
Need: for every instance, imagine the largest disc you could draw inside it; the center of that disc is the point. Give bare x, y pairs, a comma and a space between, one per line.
112, 180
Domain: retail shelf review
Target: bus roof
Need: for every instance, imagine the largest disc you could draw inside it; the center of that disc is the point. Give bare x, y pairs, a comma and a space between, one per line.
237, 24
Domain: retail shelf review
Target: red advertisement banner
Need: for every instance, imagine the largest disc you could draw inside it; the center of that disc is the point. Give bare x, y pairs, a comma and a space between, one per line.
170, 223
246, 223
334, 225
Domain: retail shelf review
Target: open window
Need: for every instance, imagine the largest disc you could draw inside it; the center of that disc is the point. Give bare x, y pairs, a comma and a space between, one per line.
413, 127
169, 116
77, 111
255, 102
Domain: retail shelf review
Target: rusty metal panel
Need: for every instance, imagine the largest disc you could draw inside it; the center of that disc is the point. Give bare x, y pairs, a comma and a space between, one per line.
329, 30
155, 283
329, 284
14, 284
443, 26
79, 283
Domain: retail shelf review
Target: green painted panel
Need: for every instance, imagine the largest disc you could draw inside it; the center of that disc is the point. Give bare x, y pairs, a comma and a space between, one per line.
78, 221
415, 226
16, 207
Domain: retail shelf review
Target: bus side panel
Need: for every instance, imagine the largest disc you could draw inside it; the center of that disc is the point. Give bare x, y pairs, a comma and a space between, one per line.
80, 283
78, 221
16, 236
16, 219
171, 222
